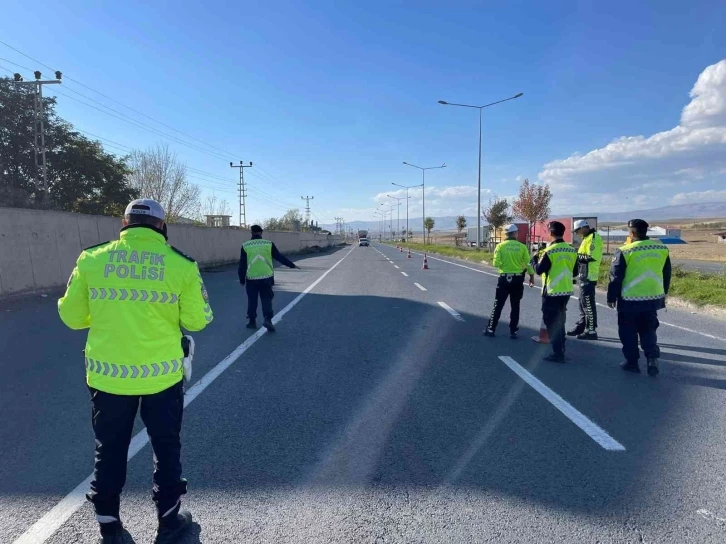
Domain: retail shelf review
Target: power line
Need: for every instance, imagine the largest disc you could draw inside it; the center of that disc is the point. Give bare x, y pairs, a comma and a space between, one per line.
263, 174
116, 101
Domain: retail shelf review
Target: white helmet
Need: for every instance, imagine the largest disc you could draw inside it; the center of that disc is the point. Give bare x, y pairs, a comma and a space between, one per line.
509, 229
581, 224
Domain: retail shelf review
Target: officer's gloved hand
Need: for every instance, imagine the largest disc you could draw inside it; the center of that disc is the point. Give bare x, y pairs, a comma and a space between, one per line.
187, 344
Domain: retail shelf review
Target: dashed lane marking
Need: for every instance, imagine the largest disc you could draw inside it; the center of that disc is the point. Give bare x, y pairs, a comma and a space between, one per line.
420, 286
592, 430
404, 274
456, 315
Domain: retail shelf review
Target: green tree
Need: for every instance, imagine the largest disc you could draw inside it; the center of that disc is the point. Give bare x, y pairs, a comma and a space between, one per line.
82, 177
497, 214
460, 223
429, 225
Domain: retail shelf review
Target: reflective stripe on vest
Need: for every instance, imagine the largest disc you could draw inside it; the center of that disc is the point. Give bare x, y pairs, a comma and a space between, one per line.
259, 259
558, 280
133, 371
644, 271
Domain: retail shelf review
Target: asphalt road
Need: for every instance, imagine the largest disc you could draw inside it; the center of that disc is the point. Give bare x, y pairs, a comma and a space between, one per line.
710, 267
378, 413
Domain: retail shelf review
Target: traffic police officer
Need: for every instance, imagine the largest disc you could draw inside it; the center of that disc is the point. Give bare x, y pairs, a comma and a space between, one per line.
134, 294
512, 259
588, 257
256, 271
557, 264
640, 276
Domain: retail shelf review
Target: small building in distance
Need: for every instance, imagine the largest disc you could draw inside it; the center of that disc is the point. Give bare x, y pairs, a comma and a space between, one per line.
720, 237
218, 220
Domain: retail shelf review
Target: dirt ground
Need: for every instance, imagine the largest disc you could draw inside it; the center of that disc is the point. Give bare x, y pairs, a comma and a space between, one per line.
701, 246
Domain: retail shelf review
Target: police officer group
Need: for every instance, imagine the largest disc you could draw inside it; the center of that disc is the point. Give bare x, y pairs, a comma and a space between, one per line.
135, 295
640, 275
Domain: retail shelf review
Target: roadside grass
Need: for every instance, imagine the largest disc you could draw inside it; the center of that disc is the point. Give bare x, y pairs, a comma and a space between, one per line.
693, 286
472, 255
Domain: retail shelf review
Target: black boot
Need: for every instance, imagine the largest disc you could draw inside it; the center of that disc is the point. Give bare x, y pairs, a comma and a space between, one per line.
267, 323
576, 331
252, 324
488, 332
171, 529
114, 533
630, 367
587, 335
652, 366
513, 334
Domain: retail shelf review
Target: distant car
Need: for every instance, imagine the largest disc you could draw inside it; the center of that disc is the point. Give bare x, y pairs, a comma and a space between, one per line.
363, 242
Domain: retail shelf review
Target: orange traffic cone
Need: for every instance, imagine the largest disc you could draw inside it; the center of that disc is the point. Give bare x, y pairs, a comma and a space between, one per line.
543, 337
425, 263
409, 253
396, 246
400, 249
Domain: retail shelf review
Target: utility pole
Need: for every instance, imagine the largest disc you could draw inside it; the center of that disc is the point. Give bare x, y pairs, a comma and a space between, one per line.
242, 191
307, 200
39, 124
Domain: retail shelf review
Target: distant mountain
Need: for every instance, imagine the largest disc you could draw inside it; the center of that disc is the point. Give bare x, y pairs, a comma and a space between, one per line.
702, 210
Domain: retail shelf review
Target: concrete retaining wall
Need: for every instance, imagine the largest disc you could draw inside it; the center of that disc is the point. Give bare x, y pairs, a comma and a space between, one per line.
38, 249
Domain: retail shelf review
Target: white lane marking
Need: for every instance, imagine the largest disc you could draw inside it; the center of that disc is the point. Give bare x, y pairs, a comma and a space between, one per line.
575, 298
420, 286
396, 266
456, 315
47, 525
707, 514
404, 274
578, 418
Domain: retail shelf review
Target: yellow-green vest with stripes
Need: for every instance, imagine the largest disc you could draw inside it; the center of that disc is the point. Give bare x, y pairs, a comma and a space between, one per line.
644, 262
259, 259
558, 280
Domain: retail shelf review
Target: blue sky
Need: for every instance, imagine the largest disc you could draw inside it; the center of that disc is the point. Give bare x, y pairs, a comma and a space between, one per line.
329, 98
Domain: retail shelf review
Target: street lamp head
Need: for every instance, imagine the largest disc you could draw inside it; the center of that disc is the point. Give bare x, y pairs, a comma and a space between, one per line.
404, 162
444, 102
230, 163
443, 165
518, 95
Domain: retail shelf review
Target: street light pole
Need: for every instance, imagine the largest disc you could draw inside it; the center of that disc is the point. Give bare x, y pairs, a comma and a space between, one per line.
423, 191
390, 211
407, 187
478, 193
398, 201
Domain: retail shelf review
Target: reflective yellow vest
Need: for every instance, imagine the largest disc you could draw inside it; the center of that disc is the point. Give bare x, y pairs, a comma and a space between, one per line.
644, 261
512, 257
592, 247
259, 259
558, 281
135, 294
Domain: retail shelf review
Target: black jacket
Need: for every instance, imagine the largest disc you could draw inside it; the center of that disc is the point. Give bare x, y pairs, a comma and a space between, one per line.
543, 265
617, 275
279, 257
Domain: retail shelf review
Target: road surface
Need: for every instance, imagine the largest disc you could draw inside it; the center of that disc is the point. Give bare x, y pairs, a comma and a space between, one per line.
710, 267
378, 413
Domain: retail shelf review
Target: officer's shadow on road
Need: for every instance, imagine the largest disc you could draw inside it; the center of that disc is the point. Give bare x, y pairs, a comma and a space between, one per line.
683, 374
193, 535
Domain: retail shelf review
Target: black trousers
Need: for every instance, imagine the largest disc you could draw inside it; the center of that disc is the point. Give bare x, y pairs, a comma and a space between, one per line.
113, 424
588, 307
631, 326
263, 290
554, 314
509, 286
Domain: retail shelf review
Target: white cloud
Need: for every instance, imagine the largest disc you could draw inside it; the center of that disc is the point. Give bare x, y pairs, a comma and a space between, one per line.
693, 154
699, 196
